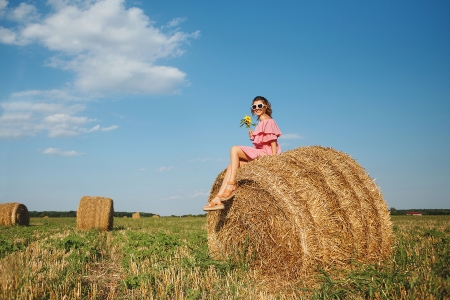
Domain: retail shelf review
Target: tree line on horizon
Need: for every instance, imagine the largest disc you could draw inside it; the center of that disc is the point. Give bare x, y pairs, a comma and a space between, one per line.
120, 214
73, 213
434, 212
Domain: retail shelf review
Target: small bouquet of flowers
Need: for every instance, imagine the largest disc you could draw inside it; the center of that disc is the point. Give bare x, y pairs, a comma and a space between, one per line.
247, 121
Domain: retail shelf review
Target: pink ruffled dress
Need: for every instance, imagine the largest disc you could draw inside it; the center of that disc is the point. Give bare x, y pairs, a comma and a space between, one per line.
265, 132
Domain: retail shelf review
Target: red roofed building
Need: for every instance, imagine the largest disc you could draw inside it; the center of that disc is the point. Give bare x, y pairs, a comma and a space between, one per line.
413, 213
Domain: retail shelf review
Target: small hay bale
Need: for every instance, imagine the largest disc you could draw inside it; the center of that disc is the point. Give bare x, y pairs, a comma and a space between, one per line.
14, 213
155, 216
136, 215
95, 212
125, 217
306, 208
45, 217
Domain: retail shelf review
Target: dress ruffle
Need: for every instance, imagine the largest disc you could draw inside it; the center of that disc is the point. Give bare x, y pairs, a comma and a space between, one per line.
263, 138
265, 132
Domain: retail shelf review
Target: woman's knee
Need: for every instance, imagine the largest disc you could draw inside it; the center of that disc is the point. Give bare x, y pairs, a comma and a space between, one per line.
234, 149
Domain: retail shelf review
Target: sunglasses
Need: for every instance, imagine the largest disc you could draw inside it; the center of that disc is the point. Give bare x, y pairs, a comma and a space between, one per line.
257, 106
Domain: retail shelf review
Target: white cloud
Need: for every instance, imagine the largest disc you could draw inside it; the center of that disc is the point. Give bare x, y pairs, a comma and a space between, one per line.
175, 22
162, 169
60, 125
95, 128
109, 128
23, 13
40, 95
15, 124
33, 112
57, 151
15, 118
10, 37
64, 118
118, 73
3, 5
109, 47
291, 136
98, 128
42, 107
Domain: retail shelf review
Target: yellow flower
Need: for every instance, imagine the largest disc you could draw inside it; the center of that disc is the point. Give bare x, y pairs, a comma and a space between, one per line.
247, 121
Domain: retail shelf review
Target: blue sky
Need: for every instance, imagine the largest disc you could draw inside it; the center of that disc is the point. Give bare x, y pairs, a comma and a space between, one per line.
140, 101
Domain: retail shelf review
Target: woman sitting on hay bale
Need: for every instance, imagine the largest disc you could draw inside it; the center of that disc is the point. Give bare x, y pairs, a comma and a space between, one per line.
265, 140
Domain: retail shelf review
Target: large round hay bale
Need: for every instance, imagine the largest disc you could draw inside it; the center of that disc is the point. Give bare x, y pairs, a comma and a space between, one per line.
306, 208
136, 215
95, 213
14, 213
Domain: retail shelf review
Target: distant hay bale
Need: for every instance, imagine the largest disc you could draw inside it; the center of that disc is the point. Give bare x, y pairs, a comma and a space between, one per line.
95, 213
14, 213
136, 215
45, 217
155, 216
125, 217
306, 208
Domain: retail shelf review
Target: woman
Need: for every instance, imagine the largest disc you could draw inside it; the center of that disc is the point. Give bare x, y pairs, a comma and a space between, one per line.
265, 141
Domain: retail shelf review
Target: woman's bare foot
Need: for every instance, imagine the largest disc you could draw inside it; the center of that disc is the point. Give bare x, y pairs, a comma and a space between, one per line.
214, 204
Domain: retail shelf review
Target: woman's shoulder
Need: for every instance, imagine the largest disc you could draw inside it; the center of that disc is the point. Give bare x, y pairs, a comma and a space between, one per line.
267, 126
267, 119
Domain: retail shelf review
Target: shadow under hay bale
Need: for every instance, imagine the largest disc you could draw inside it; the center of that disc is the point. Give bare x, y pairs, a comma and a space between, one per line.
136, 215
13, 213
306, 208
95, 213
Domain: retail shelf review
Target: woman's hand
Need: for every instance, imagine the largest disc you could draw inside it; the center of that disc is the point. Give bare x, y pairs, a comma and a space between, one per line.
250, 133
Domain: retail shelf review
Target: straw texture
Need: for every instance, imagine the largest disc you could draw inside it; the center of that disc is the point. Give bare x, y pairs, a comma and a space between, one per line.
306, 208
136, 215
95, 213
14, 213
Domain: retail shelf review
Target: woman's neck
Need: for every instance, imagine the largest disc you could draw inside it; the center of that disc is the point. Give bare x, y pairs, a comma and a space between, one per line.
264, 117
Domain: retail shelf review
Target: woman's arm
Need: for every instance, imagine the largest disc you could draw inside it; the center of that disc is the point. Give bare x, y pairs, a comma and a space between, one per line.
273, 144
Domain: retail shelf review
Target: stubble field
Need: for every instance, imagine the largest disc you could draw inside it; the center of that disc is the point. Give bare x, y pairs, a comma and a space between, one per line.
167, 258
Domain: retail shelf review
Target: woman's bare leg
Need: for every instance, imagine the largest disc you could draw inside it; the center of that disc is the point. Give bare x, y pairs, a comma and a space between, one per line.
228, 178
216, 200
225, 180
236, 156
228, 174
237, 159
